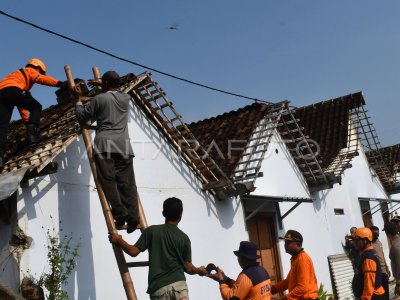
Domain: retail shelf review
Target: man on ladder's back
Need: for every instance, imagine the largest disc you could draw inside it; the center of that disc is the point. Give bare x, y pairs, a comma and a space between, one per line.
113, 152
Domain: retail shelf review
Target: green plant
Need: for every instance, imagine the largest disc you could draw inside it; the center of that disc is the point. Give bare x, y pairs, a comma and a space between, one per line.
61, 258
323, 295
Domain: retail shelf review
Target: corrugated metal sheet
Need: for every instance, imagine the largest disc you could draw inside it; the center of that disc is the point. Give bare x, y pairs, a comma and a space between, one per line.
342, 273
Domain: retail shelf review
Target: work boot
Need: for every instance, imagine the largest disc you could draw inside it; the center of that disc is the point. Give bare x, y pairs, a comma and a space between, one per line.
132, 226
33, 134
119, 223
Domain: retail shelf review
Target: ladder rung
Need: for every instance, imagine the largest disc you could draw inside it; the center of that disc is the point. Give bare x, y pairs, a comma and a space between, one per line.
260, 137
247, 161
245, 170
152, 98
317, 176
137, 264
162, 106
255, 152
314, 174
173, 120
249, 176
288, 122
266, 129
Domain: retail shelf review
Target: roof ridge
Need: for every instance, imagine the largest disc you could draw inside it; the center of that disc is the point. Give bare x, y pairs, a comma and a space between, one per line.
228, 113
359, 93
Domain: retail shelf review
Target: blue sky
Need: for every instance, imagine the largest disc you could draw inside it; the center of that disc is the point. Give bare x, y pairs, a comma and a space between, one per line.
302, 51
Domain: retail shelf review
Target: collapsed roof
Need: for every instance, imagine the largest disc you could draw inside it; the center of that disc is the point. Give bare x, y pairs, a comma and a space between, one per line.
225, 151
60, 128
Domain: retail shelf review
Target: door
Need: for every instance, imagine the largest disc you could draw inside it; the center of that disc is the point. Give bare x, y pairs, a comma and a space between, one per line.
262, 232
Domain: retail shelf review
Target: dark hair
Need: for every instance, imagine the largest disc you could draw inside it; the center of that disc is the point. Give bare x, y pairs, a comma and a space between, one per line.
112, 78
172, 209
390, 228
374, 228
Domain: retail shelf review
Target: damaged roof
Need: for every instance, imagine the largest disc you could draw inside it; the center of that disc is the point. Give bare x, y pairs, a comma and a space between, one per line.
326, 123
226, 135
390, 156
59, 128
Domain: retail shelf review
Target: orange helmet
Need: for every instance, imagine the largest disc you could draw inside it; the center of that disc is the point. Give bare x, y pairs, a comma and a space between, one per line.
364, 233
37, 63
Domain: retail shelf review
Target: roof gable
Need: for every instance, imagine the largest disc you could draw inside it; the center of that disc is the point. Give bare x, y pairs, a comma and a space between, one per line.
225, 136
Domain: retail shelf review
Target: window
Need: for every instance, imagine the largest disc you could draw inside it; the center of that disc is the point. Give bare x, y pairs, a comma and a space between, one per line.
338, 211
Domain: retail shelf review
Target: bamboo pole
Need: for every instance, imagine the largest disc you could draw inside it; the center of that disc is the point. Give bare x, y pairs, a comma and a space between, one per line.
119, 255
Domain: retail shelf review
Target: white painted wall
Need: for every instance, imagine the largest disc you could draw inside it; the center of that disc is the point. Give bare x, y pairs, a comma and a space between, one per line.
215, 228
322, 230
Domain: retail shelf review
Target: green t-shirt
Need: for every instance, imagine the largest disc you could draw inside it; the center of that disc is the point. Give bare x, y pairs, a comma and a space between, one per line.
169, 248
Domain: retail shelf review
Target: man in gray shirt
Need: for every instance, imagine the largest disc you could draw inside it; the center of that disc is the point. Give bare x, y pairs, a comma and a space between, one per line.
377, 245
112, 148
394, 253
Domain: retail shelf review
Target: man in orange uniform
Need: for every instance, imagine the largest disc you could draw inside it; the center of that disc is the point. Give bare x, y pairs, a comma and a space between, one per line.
253, 283
367, 279
300, 281
14, 91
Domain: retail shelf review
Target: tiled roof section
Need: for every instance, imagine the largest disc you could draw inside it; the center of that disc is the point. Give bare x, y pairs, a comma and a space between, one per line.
59, 128
390, 156
327, 123
226, 135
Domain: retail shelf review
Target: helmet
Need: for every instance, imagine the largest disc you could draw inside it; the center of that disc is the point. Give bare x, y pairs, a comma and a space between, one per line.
364, 232
37, 63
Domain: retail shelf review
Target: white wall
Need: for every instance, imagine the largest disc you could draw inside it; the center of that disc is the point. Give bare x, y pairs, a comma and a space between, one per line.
322, 230
215, 228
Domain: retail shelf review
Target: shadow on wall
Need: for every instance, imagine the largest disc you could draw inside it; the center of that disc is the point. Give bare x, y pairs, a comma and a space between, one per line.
74, 214
9, 267
225, 210
73, 180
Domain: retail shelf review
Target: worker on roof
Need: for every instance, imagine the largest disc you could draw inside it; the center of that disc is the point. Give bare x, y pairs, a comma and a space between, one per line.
113, 152
14, 91
253, 283
367, 280
301, 281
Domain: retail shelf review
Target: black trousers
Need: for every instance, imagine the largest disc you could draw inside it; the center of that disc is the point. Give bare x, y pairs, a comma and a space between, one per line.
9, 98
117, 179
385, 285
378, 297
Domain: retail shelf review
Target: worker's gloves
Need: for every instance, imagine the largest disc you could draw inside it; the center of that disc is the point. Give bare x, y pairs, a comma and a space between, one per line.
94, 82
63, 84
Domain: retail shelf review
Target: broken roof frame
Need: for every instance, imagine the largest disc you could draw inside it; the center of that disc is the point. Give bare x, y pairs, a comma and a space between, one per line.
386, 164
144, 92
156, 104
275, 200
380, 201
372, 147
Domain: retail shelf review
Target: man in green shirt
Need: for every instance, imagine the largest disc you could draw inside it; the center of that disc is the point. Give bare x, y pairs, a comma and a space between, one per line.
170, 254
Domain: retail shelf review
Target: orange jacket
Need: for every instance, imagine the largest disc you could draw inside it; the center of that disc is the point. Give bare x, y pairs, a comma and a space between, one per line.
252, 284
301, 281
18, 80
369, 268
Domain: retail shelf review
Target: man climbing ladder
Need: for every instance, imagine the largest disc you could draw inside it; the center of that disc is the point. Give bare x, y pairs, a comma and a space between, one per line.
112, 148
121, 262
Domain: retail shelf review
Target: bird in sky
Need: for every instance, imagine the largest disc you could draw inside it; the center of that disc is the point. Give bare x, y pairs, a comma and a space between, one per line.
174, 26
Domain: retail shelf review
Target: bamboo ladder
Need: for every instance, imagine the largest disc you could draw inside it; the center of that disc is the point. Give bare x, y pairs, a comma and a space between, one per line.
119, 255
